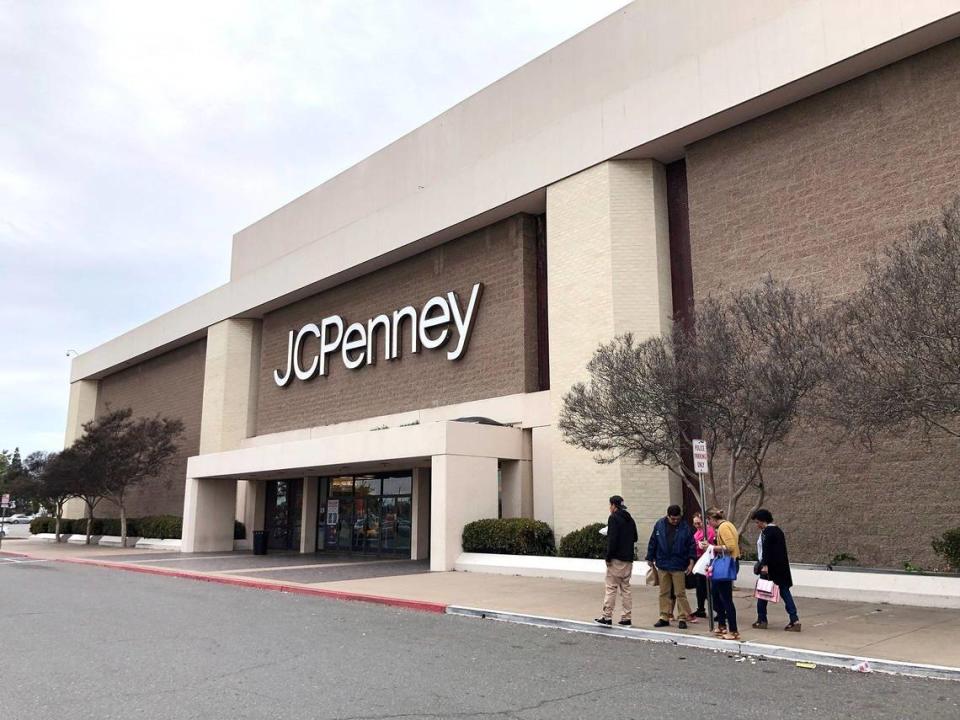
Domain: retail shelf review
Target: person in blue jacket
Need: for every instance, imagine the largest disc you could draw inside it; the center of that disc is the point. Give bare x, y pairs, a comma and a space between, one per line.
672, 551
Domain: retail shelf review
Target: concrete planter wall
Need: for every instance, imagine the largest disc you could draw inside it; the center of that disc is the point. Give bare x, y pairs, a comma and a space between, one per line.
115, 541
899, 588
49, 537
82, 539
158, 544
940, 591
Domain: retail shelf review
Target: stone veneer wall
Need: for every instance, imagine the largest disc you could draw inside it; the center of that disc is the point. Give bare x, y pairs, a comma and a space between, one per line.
170, 385
808, 193
501, 358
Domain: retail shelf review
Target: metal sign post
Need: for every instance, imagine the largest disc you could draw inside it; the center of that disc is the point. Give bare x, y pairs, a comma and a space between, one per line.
4, 504
700, 466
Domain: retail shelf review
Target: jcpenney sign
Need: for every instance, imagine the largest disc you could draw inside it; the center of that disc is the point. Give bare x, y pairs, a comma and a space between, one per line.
442, 322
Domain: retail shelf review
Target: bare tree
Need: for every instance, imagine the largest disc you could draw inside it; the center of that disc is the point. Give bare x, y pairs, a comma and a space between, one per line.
121, 452
896, 362
737, 377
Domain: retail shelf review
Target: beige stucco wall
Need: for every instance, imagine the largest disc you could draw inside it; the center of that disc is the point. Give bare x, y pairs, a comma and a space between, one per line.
609, 273
82, 408
230, 384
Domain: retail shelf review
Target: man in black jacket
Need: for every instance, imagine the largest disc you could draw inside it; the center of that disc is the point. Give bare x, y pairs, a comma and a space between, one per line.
621, 537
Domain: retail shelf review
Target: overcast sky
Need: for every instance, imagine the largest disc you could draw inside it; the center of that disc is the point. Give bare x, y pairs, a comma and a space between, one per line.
136, 138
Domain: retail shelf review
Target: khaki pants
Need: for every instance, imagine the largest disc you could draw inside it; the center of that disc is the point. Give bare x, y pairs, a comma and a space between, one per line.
618, 578
675, 580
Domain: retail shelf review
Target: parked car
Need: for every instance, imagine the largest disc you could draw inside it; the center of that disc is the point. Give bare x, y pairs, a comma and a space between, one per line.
19, 519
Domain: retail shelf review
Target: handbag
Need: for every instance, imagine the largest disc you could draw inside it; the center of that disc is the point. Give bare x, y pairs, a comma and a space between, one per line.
767, 590
703, 563
724, 569
653, 577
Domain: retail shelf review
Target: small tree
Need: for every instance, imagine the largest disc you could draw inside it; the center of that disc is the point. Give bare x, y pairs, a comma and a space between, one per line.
737, 377
56, 482
4, 464
26, 486
18, 476
896, 362
122, 452
86, 480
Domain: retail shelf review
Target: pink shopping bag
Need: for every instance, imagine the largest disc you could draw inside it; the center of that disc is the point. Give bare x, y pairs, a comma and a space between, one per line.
767, 590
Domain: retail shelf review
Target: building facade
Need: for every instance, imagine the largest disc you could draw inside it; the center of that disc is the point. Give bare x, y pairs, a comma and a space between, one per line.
388, 359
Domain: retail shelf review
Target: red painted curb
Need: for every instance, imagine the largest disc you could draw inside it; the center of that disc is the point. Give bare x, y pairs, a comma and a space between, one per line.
421, 605
4, 553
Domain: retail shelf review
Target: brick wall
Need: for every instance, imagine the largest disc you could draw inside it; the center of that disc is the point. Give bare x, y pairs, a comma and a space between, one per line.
501, 358
807, 193
170, 385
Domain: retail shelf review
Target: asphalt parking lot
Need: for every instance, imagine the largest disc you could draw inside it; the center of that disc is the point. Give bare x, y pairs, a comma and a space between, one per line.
111, 644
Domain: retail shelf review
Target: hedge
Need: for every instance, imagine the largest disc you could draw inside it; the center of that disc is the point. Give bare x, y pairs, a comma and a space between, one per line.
509, 536
587, 542
153, 526
947, 546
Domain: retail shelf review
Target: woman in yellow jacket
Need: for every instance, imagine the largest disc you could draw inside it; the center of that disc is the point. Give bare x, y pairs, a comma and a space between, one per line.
728, 543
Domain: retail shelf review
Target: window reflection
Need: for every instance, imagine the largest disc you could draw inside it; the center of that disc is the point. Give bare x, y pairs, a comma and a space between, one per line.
369, 513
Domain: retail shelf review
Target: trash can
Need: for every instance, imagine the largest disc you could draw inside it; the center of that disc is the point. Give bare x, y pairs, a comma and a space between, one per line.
259, 542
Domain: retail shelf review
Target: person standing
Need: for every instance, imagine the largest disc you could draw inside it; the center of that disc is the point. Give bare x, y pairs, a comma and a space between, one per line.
671, 550
727, 543
702, 533
621, 537
773, 564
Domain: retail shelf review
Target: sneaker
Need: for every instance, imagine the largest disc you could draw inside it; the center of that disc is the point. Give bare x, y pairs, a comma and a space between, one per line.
758, 625
682, 625
662, 623
731, 636
692, 619
603, 621
793, 627
701, 613
625, 622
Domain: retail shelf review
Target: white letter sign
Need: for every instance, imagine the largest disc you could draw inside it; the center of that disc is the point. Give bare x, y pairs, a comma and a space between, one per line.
441, 322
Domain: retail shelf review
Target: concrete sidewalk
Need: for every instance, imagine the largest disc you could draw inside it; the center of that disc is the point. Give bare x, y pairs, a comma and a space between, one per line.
888, 632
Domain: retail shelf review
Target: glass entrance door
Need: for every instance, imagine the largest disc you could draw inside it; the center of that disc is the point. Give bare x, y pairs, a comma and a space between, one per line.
368, 514
282, 518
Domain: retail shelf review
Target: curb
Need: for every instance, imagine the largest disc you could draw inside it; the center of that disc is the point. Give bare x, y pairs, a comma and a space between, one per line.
4, 553
419, 605
748, 649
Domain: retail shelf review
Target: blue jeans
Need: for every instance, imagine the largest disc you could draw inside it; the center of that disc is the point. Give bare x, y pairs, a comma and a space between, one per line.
788, 603
723, 604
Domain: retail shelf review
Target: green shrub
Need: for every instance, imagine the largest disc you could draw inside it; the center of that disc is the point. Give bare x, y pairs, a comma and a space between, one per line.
587, 542
509, 536
78, 526
39, 525
111, 526
239, 531
947, 546
164, 527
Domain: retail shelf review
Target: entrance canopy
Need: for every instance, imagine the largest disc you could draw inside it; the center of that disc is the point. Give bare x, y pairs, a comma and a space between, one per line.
462, 460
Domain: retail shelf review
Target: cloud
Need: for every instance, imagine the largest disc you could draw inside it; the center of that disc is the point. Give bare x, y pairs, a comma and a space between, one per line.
138, 137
